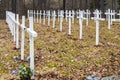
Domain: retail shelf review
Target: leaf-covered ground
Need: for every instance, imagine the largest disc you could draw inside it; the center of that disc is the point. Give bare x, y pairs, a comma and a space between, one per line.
59, 56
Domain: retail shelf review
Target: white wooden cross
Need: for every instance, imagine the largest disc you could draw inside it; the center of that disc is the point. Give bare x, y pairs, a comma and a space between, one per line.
73, 16
58, 13
87, 13
95, 13
70, 17
118, 14
48, 15
77, 13
97, 19
22, 37
34, 15
112, 15
40, 15
100, 16
116, 20
108, 14
81, 18
37, 15
32, 34
54, 18
44, 14
17, 31
66, 15
28, 13
61, 16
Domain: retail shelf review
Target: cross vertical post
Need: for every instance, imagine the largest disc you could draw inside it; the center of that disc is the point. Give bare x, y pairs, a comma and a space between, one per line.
69, 31
34, 16
48, 15
54, 18
32, 34
28, 13
22, 37
37, 16
108, 15
97, 28
40, 16
97, 19
44, 17
17, 31
61, 20
81, 18
66, 14
73, 15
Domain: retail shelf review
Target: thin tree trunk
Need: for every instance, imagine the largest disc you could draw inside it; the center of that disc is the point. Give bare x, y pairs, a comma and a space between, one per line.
86, 2
64, 5
72, 4
112, 4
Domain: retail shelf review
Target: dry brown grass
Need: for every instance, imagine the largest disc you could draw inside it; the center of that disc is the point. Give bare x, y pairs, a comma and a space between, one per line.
60, 56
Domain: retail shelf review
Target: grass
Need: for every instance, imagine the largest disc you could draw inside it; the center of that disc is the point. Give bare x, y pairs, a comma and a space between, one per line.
62, 56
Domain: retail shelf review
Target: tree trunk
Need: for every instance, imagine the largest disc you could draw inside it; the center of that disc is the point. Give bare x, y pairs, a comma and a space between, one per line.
64, 4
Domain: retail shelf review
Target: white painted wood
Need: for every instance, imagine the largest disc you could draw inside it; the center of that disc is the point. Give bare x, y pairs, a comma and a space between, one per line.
97, 30
34, 16
32, 34
108, 14
58, 15
61, 16
116, 20
100, 16
22, 37
12, 24
40, 16
89, 17
97, 19
66, 15
81, 18
118, 14
111, 17
44, 17
73, 16
114, 14
70, 29
17, 31
80, 21
37, 16
10, 19
54, 18
48, 15
28, 13
87, 13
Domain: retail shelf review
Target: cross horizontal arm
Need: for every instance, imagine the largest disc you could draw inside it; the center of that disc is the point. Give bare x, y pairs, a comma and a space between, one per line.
94, 18
22, 26
116, 20
32, 33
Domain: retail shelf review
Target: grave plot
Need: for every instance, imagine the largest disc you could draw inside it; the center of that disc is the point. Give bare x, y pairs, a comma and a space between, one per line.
64, 56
